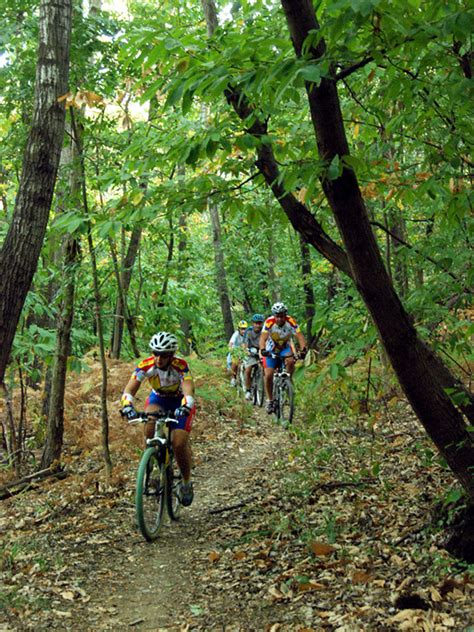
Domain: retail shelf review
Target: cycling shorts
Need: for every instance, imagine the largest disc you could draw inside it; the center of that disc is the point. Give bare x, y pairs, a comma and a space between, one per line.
169, 405
251, 361
273, 363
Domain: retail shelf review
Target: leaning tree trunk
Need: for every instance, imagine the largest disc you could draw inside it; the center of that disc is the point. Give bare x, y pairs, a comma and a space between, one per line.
22, 246
421, 373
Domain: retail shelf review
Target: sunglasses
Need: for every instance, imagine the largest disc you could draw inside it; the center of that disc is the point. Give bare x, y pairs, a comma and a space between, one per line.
163, 354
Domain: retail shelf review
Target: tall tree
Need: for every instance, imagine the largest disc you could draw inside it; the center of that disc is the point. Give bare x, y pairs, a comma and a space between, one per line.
55, 424
221, 277
21, 248
422, 375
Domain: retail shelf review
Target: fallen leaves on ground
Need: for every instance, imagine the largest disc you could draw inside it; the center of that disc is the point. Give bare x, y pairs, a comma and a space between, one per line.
332, 533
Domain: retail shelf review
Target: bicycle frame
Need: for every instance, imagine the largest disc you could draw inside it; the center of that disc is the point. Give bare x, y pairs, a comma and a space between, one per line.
156, 484
282, 383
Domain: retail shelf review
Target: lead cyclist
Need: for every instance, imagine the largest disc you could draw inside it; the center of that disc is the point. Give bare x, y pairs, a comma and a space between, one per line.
172, 393
278, 331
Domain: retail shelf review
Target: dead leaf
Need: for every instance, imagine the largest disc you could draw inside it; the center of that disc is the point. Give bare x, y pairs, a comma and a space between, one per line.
361, 577
321, 548
68, 595
311, 585
214, 556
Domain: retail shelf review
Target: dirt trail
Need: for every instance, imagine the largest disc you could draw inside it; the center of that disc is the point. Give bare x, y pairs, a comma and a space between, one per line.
277, 540
159, 586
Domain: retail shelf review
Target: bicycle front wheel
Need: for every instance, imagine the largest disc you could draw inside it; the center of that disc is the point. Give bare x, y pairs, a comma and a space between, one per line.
286, 404
150, 494
173, 498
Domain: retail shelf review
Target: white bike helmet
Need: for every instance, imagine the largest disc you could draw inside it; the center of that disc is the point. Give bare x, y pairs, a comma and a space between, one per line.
279, 308
164, 342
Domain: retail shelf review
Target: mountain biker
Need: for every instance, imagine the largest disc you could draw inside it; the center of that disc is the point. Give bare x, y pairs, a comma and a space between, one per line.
173, 393
276, 338
236, 341
252, 341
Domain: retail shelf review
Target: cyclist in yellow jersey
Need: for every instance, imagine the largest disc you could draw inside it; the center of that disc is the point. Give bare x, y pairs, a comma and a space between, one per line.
276, 338
173, 393
235, 343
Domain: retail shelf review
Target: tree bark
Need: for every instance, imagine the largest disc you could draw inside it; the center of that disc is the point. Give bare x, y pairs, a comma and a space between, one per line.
210, 15
97, 307
183, 264
420, 372
221, 277
55, 423
55, 428
308, 290
20, 251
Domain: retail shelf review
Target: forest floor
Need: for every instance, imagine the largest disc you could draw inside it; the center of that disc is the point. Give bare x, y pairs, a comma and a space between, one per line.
284, 533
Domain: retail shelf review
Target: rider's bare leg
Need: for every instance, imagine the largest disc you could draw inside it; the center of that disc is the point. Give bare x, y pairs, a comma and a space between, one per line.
182, 450
290, 364
234, 369
248, 375
269, 382
149, 428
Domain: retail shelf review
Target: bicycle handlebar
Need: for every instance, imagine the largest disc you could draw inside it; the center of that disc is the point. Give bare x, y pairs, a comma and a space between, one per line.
143, 417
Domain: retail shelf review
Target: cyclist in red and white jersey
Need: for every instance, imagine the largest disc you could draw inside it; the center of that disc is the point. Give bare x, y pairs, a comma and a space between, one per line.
278, 331
173, 393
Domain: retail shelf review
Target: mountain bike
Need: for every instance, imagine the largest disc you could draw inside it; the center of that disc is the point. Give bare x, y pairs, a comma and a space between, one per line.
158, 478
283, 394
257, 387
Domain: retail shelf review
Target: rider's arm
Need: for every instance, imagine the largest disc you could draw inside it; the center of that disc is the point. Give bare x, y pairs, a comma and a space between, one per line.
232, 340
263, 340
129, 392
301, 340
187, 386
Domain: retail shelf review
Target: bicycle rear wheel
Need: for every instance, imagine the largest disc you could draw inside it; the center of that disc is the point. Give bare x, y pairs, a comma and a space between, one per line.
150, 494
258, 386
286, 404
173, 499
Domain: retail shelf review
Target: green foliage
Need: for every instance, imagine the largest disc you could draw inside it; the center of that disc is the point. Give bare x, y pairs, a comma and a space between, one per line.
163, 141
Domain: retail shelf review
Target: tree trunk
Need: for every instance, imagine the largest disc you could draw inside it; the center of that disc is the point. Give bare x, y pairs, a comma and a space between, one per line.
122, 312
221, 277
20, 251
183, 263
210, 15
397, 237
55, 428
274, 288
97, 307
308, 290
421, 373
55, 424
